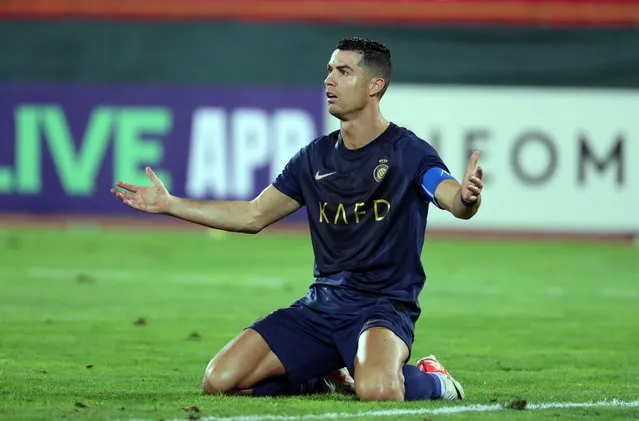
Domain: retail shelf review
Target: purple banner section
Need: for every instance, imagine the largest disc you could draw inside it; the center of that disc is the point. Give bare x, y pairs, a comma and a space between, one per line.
64, 146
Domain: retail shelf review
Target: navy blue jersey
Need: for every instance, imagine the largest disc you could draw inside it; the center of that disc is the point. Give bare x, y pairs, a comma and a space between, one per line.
367, 211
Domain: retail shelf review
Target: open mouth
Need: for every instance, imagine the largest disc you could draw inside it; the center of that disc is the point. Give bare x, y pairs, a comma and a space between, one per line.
331, 97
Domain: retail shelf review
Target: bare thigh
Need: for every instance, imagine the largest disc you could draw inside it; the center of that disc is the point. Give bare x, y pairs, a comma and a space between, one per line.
243, 362
379, 363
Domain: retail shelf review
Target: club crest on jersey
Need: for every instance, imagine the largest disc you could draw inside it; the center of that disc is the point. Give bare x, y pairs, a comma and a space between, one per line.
380, 171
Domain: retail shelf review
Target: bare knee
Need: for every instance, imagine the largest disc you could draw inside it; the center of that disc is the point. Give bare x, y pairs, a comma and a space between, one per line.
218, 380
383, 388
242, 363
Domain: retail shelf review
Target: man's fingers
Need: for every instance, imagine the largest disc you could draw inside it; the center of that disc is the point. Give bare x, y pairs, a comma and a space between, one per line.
129, 199
479, 172
476, 181
127, 186
117, 193
472, 164
474, 189
122, 195
154, 178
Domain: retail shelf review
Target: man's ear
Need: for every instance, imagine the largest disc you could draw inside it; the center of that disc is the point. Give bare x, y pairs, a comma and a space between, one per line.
376, 86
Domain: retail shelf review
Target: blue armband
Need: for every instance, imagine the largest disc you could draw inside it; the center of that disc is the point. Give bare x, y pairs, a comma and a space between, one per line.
431, 180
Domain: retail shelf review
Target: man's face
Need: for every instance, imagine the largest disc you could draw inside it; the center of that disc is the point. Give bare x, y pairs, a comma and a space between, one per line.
347, 84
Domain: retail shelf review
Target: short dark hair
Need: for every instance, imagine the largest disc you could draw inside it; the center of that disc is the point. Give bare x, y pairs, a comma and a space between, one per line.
376, 56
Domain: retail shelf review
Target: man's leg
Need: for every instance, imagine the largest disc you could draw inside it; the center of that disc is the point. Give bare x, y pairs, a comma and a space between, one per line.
378, 366
285, 352
381, 373
376, 349
242, 363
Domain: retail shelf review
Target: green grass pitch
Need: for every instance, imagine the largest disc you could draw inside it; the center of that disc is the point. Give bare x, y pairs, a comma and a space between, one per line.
110, 325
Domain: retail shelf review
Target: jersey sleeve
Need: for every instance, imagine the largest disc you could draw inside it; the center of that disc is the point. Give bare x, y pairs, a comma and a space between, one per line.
288, 181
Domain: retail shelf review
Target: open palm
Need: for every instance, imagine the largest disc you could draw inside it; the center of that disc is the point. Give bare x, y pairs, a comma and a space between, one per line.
151, 199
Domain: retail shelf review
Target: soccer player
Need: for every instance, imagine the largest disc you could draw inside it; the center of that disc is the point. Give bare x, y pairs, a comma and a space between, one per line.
367, 188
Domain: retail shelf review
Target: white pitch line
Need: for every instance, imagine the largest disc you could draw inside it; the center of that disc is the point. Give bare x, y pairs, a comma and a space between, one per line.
420, 411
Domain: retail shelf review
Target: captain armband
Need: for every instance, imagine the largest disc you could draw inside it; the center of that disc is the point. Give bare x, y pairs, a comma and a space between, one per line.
431, 180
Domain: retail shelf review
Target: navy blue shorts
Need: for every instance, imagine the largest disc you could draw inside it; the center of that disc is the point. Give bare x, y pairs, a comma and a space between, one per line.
319, 333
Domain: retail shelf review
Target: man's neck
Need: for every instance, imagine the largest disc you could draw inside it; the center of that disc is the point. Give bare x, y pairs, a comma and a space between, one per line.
361, 131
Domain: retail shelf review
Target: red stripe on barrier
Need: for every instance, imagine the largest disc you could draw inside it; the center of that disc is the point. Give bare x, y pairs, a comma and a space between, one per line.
566, 12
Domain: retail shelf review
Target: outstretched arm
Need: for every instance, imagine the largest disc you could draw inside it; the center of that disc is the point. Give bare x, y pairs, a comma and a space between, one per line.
462, 200
237, 216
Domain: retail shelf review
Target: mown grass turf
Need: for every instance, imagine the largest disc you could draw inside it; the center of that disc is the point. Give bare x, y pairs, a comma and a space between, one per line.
124, 323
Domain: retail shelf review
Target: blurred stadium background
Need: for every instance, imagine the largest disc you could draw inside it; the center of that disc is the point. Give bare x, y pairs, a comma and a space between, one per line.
216, 96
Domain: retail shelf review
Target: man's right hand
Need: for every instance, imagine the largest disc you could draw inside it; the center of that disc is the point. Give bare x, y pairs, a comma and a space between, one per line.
151, 199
